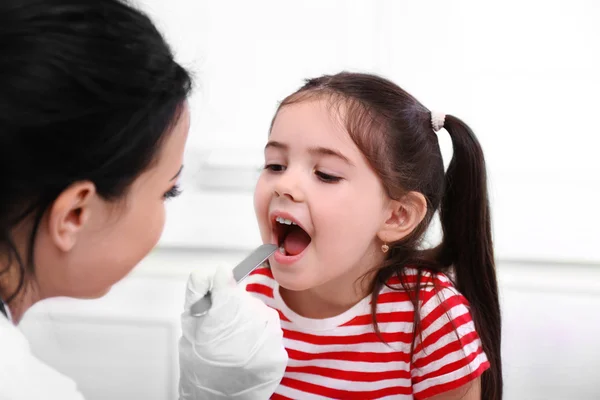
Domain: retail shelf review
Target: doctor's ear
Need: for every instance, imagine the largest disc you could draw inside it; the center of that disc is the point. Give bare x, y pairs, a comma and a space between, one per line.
403, 216
69, 214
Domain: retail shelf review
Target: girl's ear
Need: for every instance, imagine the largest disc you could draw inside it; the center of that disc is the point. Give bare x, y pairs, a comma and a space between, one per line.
403, 216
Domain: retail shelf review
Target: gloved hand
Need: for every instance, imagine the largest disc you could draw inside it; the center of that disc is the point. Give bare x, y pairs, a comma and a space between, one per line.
236, 349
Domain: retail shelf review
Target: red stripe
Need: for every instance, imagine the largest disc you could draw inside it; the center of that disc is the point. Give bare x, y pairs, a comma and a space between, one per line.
344, 394
267, 291
410, 279
363, 356
395, 316
260, 288
264, 271
445, 350
446, 387
443, 307
276, 396
400, 296
370, 337
281, 316
352, 376
394, 296
448, 327
427, 278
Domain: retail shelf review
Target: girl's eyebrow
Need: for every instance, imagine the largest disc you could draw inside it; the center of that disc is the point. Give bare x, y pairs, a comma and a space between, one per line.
323, 151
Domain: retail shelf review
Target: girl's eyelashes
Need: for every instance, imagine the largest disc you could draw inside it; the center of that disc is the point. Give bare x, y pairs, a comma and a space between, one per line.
275, 167
327, 178
322, 176
173, 192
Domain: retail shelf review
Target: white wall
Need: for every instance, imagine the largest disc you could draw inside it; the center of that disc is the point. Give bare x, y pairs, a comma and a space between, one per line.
523, 74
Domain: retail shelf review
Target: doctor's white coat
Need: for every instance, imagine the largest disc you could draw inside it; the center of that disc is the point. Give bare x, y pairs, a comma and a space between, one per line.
23, 376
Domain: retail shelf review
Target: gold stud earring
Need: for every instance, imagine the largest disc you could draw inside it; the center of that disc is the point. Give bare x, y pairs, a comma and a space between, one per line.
385, 248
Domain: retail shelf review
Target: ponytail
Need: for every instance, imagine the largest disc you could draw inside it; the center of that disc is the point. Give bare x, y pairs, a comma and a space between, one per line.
467, 245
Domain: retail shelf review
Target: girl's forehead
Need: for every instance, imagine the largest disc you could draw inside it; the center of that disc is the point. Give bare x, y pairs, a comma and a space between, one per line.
312, 120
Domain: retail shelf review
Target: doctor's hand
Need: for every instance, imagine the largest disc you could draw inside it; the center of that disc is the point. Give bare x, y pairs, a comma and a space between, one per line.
233, 351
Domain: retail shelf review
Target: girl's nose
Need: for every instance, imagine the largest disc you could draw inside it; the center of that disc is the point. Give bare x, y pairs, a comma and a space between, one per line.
288, 185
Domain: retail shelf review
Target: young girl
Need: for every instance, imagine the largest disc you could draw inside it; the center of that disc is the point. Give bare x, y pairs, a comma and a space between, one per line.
353, 176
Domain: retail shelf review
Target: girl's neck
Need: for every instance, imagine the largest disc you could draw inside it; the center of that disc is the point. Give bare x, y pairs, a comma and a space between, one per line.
330, 299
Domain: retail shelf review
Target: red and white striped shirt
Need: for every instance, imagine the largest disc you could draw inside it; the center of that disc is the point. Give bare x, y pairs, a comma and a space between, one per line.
343, 358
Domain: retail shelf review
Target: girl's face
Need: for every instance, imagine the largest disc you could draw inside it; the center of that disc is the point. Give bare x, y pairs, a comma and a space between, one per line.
318, 199
86, 244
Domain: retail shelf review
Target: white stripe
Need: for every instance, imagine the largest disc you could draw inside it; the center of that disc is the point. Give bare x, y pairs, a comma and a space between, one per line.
353, 330
398, 397
398, 306
452, 376
297, 394
353, 386
377, 347
344, 365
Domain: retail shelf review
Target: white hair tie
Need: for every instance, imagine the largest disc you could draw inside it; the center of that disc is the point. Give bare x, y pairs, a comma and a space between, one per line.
437, 120
444, 140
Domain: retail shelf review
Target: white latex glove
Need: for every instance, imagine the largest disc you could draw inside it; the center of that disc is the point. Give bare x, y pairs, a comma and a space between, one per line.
236, 349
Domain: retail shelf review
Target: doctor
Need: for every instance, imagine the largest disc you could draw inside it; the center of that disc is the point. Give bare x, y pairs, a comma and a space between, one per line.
93, 124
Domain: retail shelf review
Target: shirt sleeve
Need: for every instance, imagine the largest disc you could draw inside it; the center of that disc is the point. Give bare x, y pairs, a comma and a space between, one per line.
448, 352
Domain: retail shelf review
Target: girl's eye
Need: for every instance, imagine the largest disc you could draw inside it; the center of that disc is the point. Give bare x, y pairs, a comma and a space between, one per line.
327, 178
173, 192
274, 167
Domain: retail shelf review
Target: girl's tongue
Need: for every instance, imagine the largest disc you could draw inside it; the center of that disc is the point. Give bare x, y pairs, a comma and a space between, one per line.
296, 241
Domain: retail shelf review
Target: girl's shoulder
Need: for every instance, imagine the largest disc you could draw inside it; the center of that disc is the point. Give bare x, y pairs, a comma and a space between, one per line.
433, 292
427, 281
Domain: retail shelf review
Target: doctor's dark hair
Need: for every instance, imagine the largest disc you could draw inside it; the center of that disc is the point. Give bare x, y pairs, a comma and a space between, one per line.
394, 132
89, 90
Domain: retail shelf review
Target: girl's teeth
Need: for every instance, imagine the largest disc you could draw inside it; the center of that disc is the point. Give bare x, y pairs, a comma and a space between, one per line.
282, 250
285, 221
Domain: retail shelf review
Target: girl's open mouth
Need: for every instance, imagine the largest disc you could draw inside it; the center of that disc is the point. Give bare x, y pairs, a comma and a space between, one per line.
291, 238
